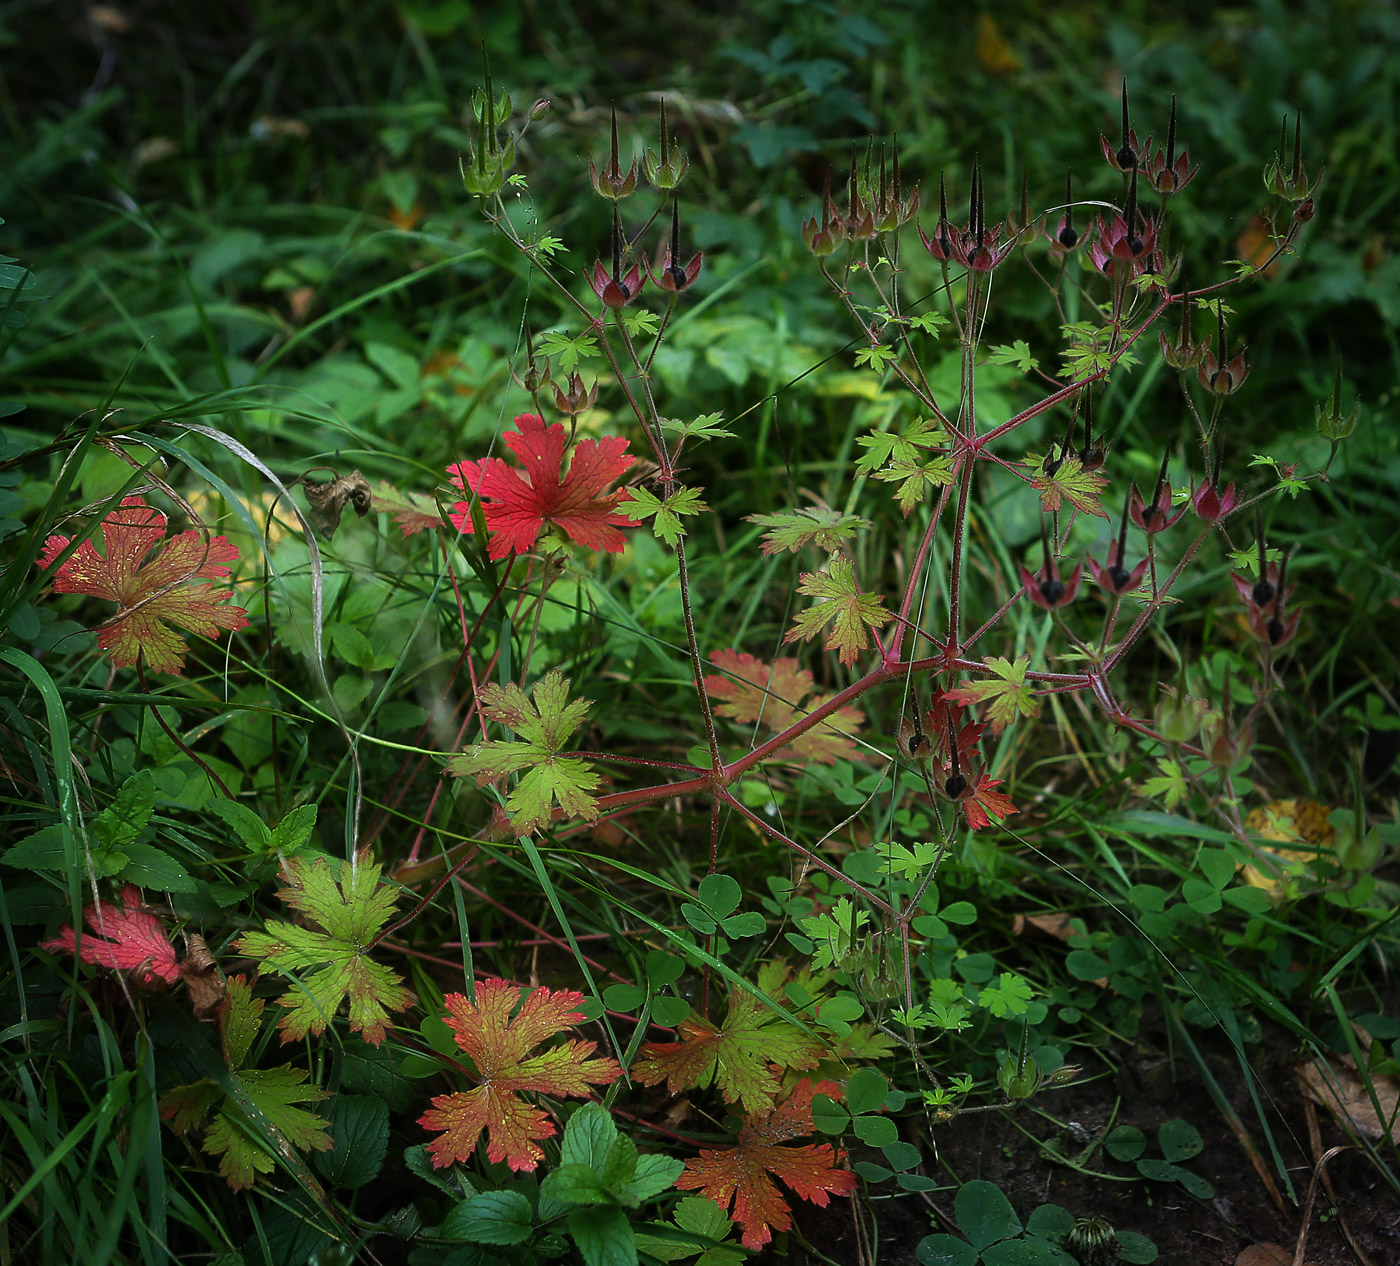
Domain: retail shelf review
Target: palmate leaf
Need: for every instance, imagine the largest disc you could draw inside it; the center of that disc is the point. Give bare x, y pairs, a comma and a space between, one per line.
819, 525
1070, 482
352, 911
915, 477
1006, 691
124, 938
738, 1056
740, 1174
414, 512
775, 695
518, 502
842, 606
499, 1044
257, 1111
545, 725
666, 524
153, 595
908, 445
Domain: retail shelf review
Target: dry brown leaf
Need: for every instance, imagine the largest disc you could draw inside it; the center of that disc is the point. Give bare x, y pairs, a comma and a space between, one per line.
1056, 926
1339, 1089
1266, 1254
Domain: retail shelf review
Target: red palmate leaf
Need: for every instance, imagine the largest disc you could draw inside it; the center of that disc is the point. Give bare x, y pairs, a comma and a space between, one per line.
978, 800
741, 1173
517, 504
776, 695
170, 589
124, 938
499, 1045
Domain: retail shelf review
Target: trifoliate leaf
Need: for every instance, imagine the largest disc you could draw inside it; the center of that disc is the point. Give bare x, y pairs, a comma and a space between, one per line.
909, 445
775, 695
705, 427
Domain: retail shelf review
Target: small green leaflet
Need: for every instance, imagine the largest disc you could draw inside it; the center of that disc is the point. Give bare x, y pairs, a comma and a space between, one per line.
914, 476
1089, 350
1287, 473
1010, 996
257, 1113
641, 322
910, 863
545, 726
1169, 786
1007, 691
842, 606
1070, 482
569, 350
908, 446
353, 912
1017, 354
667, 524
876, 356
705, 427
820, 525
1247, 559
928, 322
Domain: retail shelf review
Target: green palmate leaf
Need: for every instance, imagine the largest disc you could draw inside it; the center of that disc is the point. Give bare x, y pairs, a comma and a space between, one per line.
820, 525
705, 427
876, 356
1170, 784
1070, 482
352, 913
545, 724
568, 351
915, 477
641, 322
1007, 691
1017, 354
255, 1113
666, 524
841, 606
126, 817
909, 445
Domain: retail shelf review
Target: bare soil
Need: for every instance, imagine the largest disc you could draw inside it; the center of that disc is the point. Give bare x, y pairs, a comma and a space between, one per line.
1020, 1152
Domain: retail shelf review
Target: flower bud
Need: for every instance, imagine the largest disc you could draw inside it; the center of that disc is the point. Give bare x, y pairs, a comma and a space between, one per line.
1178, 716
541, 108
1018, 1079
577, 398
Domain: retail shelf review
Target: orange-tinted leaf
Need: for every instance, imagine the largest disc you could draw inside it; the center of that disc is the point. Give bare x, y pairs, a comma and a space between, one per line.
773, 694
412, 511
170, 589
1071, 482
740, 1174
738, 1056
123, 938
980, 800
499, 1045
